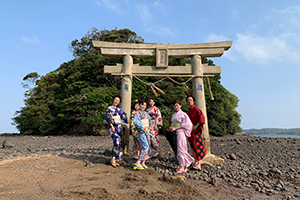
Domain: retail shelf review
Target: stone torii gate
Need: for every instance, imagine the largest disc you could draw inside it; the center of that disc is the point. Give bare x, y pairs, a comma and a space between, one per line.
162, 52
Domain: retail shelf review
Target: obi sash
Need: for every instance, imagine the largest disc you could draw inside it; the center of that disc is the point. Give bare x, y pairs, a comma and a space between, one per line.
145, 123
176, 123
117, 119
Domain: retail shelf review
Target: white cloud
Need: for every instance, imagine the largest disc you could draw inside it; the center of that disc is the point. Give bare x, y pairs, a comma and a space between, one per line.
160, 6
263, 50
287, 19
111, 4
273, 38
32, 39
162, 31
144, 11
235, 13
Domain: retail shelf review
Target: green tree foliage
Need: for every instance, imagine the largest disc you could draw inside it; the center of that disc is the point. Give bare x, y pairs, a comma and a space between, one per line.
78, 92
29, 82
85, 44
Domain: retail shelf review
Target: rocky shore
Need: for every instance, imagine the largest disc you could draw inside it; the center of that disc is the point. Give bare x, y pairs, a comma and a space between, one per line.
255, 167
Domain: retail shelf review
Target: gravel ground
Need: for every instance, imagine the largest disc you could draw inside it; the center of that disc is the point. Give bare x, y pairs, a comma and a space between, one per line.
269, 167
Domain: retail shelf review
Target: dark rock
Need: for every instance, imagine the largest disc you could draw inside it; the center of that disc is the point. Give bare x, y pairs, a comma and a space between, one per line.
7, 144
143, 191
255, 185
292, 170
239, 155
216, 181
232, 156
276, 171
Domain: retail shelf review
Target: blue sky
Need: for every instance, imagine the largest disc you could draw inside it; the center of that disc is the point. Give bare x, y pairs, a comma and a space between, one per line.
261, 68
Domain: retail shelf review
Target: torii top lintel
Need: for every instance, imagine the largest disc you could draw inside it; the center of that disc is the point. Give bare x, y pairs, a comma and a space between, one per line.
113, 49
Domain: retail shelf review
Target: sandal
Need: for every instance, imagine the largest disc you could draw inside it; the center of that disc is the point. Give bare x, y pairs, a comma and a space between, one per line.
145, 167
180, 171
138, 167
195, 167
114, 164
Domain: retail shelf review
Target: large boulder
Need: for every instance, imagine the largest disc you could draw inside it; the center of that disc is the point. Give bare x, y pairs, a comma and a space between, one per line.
7, 144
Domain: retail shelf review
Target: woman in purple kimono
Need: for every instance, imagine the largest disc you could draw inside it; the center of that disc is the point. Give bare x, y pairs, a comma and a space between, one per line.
182, 124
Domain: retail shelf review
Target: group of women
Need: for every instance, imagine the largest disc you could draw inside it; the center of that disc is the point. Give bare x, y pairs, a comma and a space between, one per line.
144, 126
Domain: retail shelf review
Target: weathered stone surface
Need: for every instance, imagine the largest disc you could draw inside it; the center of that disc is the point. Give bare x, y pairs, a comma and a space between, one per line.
232, 156
7, 144
216, 182
174, 179
211, 160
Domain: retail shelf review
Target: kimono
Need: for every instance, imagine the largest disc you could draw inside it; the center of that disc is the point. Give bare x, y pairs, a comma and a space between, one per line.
156, 119
196, 139
136, 144
116, 117
139, 122
181, 119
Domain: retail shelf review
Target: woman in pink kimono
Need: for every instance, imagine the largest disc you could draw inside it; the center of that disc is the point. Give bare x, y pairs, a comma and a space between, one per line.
182, 124
156, 119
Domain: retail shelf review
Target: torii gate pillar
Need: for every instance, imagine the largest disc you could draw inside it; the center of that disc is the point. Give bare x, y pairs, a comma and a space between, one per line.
126, 90
198, 93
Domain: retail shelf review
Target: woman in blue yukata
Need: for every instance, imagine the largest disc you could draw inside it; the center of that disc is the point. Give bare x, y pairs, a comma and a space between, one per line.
140, 125
115, 117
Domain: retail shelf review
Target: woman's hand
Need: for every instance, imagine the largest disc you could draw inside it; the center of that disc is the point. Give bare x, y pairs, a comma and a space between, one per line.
195, 127
112, 128
132, 131
173, 128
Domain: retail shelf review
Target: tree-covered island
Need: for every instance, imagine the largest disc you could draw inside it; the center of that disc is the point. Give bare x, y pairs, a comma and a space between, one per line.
77, 93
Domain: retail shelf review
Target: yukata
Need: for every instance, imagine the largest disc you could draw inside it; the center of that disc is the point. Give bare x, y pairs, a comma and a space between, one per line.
116, 117
182, 119
196, 139
156, 119
139, 122
136, 143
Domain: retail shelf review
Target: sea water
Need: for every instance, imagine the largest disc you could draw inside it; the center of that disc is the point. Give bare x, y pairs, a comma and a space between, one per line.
279, 136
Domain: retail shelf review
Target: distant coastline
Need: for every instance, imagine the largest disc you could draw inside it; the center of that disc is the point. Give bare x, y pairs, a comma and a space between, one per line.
272, 132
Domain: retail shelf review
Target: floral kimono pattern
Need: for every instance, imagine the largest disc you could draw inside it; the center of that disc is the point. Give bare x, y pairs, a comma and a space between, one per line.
138, 123
136, 143
156, 119
116, 117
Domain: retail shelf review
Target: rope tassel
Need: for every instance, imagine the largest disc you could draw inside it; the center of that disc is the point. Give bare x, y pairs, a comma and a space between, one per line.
158, 89
211, 95
153, 90
187, 89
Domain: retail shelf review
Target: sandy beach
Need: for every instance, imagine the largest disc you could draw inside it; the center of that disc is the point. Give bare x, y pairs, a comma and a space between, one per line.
76, 167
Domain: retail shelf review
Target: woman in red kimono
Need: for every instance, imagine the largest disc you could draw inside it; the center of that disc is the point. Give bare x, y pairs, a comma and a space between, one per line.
156, 119
196, 139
